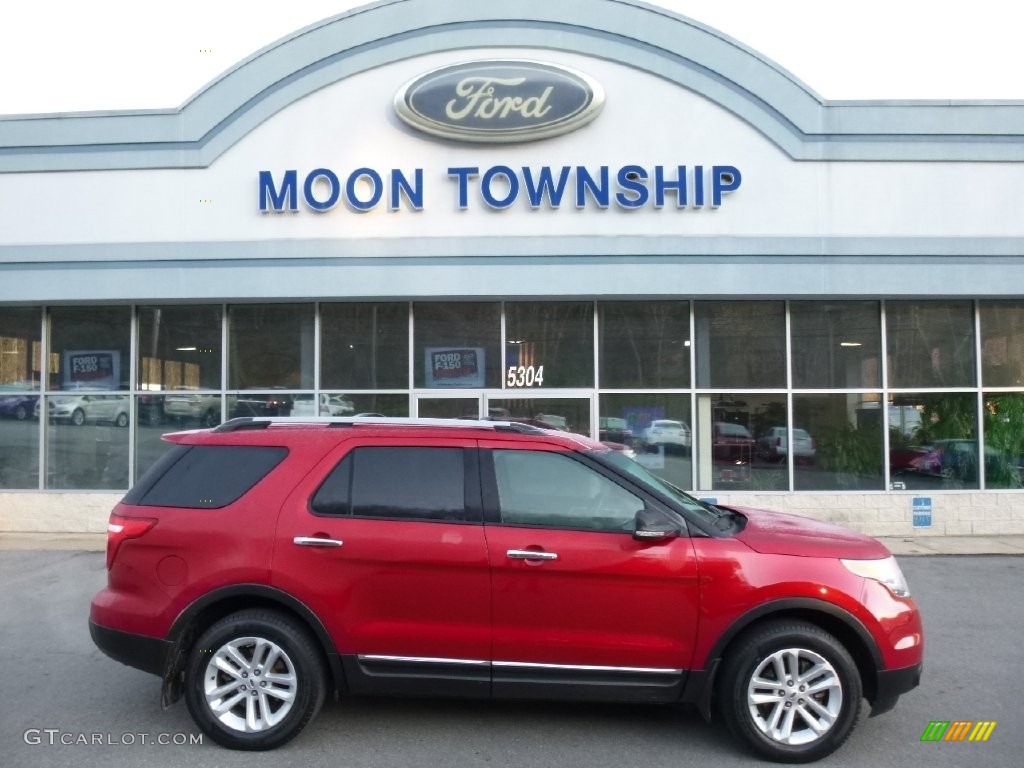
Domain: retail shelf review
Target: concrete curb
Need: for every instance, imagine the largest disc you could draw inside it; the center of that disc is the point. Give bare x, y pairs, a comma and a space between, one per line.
918, 545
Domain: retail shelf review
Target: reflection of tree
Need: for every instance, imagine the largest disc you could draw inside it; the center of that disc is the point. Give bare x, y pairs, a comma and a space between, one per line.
561, 335
644, 344
1004, 441
947, 416
931, 344
853, 455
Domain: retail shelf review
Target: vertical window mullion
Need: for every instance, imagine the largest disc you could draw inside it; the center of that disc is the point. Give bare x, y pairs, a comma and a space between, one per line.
883, 406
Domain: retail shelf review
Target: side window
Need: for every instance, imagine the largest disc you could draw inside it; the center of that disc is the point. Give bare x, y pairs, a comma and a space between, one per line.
555, 491
334, 496
205, 476
410, 483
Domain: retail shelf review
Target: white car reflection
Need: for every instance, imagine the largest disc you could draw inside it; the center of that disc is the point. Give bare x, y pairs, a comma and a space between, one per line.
79, 409
330, 405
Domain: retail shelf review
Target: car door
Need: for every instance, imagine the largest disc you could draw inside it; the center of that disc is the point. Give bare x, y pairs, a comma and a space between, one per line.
579, 603
384, 542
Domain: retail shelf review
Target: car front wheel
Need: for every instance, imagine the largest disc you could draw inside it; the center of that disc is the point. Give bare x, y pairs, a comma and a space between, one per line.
791, 691
254, 680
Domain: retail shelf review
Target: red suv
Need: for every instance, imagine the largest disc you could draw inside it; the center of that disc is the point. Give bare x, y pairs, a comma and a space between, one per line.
267, 563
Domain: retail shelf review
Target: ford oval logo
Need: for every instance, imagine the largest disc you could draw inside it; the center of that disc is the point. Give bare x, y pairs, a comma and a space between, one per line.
499, 101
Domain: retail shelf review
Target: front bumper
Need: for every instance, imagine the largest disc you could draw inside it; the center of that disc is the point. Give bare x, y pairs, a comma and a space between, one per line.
891, 684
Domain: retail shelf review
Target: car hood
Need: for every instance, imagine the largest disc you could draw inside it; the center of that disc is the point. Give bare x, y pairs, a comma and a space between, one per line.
779, 533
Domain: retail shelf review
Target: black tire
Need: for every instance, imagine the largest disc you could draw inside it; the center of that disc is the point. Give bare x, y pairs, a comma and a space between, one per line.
122, 420
21, 413
749, 708
294, 656
78, 417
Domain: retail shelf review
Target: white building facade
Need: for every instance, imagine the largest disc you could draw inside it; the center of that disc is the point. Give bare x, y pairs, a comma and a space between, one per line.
597, 216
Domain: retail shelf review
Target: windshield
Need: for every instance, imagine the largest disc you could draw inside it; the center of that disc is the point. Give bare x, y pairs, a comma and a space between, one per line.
628, 466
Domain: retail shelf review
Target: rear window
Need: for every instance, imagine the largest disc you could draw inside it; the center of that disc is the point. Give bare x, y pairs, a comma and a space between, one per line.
204, 476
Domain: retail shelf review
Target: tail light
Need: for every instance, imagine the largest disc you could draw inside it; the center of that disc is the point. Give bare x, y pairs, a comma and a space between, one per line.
120, 529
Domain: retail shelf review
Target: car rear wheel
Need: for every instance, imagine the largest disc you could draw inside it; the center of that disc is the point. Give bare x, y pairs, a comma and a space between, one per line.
254, 680
78, 417
791, 691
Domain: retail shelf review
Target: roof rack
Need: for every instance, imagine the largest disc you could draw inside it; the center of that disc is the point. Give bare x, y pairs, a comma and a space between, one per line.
263, 422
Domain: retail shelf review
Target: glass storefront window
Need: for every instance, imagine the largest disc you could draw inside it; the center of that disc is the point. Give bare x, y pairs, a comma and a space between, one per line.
837, 443
549, 344
735, 446
179, 348
1004, 440
87, 440
457, 345
1002, 343
87, 435
19, 350
938, 449
364, 346
930, 344
271, 345
657, 428
741, 344
836, 344
20, 377
644, 344
90, 347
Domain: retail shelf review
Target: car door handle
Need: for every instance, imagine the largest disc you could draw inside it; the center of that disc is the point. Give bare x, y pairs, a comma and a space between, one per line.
316, 541
530, 554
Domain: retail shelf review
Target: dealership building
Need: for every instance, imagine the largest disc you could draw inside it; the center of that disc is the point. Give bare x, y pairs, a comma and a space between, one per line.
595, 216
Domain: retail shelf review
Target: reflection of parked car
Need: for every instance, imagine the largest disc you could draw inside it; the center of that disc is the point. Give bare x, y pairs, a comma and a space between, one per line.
78, 409
18, 407
954, 460
625, 450
550, 421
204, 409
151, 409
920, 460
330, 405
615, 430
667, 433
733, 450
261, 405
774, 445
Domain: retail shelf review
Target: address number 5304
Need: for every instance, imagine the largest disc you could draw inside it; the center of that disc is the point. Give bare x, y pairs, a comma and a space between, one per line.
524, 376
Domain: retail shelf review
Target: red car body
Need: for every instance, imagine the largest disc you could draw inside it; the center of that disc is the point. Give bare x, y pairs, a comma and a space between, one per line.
436, 606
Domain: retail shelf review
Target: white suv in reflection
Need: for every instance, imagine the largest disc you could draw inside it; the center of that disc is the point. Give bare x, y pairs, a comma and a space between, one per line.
667, 432
330, 405
191, 406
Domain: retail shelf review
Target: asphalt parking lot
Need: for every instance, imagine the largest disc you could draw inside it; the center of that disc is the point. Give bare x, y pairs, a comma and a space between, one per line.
67, 704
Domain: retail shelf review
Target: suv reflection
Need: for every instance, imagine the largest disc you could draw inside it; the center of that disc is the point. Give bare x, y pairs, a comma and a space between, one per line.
192, 406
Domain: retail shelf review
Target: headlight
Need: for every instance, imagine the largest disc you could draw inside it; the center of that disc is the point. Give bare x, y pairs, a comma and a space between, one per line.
886, 571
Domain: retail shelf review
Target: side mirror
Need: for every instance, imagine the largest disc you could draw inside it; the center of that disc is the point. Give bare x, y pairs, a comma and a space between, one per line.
651, 525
